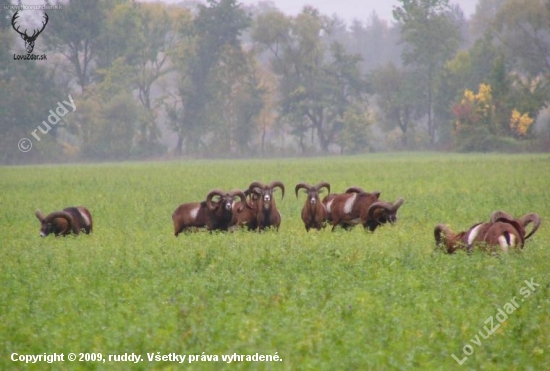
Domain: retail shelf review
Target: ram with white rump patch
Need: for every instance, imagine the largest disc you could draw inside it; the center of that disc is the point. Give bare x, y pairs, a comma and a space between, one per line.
212, 214
502, 231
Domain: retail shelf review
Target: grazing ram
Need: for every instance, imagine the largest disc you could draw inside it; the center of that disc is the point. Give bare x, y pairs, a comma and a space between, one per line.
381, 212
524, 221
267, 214
61, 223
507, 235
212, 214
502, 230
347, 209
314, 212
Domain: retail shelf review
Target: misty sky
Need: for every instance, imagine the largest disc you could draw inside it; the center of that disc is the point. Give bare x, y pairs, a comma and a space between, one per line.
346, 9
353, 9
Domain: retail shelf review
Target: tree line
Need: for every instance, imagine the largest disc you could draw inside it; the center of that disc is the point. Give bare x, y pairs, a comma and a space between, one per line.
152, 80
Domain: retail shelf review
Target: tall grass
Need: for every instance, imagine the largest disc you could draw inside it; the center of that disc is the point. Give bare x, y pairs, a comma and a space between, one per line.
321, 300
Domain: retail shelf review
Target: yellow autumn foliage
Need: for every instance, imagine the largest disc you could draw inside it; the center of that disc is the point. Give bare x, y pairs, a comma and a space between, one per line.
482, 102
520, 123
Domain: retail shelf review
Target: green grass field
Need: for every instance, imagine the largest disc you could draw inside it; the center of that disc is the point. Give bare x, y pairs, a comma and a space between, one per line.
319, 300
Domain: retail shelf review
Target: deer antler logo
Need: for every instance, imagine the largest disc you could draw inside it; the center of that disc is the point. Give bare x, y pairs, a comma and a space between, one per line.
29, 40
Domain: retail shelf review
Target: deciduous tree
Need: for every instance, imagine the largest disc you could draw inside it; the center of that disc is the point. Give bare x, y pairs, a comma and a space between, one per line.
431, 36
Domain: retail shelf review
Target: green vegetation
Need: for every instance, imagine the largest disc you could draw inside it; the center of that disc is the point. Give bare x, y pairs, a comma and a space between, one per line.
321, 300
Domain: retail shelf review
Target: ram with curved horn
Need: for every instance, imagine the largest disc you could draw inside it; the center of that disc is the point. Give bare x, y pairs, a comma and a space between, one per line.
245, 213
504, 234
215, 213
347, 208
381, 212
355, 189
267, 214
525, 220
69, 220
314, 212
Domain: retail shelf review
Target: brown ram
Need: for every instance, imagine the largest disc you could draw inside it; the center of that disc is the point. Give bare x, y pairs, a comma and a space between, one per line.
245, 213
506, 235
381, 212
348, 208
327, 202
212, 214
267, 214
314, 212
61, 223
524, 221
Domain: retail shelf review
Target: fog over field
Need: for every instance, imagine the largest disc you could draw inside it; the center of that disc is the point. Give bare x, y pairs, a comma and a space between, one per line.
352, 9
226, 78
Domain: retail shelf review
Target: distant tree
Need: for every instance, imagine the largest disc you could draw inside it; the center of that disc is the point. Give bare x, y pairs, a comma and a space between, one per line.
431, 36
480, 120
28, 91
75, 33
375, 41
317, 81
216, 28
107, 118
487, 64
268, 114
485, 13
466, 70
399, 98
120, 36
355, 136
240, 97
522, 27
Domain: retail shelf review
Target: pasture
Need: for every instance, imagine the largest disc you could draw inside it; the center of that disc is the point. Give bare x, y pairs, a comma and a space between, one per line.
319, 300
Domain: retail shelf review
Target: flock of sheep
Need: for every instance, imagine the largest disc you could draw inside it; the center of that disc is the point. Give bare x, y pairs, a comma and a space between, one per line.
256, 209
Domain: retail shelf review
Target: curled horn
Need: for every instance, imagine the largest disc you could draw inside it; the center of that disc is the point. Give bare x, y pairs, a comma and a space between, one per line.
240, 194
60, 214
301, 185
248, 203
211, 195
380, 204
39, 215
530, 218
398, 203
441, 228
254, 185
500, 215
355, 190
278, 184
323, 185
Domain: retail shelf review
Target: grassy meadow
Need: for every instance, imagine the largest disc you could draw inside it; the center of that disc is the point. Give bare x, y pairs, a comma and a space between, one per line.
319, 300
